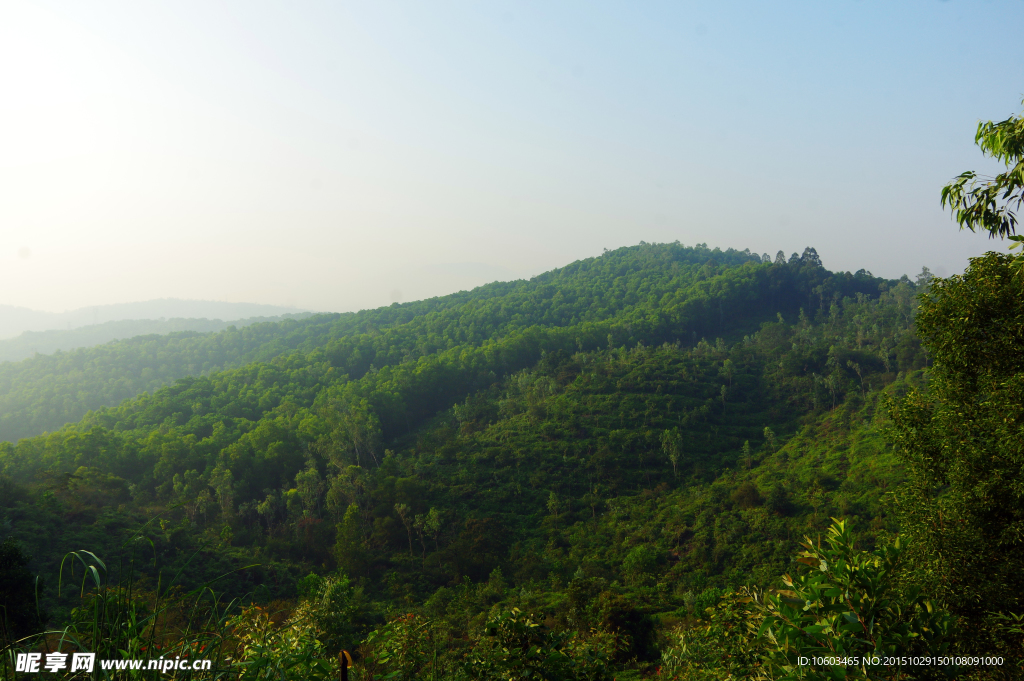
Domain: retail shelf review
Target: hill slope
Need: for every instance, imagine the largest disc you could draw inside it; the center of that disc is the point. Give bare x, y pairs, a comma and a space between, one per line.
624, 435
42, 394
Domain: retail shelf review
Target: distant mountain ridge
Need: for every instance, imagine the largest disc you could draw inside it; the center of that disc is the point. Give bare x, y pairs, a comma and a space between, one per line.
16, 320
30, 343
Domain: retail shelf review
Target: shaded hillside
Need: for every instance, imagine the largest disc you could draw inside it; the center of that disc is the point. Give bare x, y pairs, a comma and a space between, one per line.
659, 413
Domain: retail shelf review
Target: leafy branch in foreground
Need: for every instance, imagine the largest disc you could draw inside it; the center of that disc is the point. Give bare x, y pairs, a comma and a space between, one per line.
847, 606
987, 203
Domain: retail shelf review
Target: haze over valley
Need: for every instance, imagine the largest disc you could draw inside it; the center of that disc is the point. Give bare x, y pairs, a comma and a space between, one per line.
17, 320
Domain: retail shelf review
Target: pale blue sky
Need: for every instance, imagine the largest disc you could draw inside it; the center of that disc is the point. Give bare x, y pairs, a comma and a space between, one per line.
339, 155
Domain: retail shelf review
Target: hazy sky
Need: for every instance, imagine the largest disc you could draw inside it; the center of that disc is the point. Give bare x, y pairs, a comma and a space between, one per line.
341, 155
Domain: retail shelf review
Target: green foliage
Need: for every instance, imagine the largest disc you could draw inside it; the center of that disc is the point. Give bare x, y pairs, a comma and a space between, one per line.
849, 605
44, 392
19, 614
961, 443
640, 563
407, 648
511, 644
269, 651
656, 292
846, 608
570, 477
558, 446
331, 605
987, 204
722, 645
118, 619
747, 495
516, 644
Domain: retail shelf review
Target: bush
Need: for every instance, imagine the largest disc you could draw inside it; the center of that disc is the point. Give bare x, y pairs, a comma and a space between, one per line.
747, 496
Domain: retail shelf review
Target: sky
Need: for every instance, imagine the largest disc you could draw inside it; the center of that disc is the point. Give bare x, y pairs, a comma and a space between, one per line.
336, 156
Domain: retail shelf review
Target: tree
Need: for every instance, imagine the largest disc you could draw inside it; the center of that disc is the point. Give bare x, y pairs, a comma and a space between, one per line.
988, 203
403, 512
962, 444
420, 524
860, 374
639, 563
727, 370
810, 257
330, 604
269, 508
434, 523
349, 551
924, 279
672, 445
747, 495
187, 489
311, 489
18, 613
222, 483
554, 503
356, 430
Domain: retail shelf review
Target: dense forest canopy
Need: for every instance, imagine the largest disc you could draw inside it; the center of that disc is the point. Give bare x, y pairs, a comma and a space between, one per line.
42, 394
616, 445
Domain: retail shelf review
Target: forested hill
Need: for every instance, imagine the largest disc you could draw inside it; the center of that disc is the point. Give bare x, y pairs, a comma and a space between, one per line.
43, 393
625, 436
